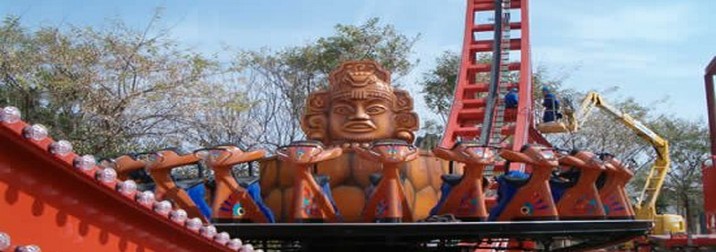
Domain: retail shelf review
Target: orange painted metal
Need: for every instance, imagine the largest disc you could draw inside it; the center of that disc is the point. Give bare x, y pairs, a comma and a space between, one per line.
46, 201
613, 193
160, 170
388, 202
228, 192
310, 204
466, 200
126, 164
532, 201
582, 200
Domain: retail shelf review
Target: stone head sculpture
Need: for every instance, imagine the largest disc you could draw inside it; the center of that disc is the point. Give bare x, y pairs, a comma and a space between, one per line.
359, 106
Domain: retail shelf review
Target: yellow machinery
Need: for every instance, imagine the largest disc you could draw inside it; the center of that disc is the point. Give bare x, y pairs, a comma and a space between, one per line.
645, 208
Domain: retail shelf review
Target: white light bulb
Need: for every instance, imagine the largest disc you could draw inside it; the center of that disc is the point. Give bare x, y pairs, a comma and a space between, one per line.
247, 248
222, 238
35, 132
178, 216
208, 231
194, 224
10, 115
235, 244
61, 148
107, 175
127, 187
4, 241
28, 248
163, 207
145, 198
85, 163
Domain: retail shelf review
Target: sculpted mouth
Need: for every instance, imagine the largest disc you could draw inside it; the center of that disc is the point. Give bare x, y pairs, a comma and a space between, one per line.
359, 127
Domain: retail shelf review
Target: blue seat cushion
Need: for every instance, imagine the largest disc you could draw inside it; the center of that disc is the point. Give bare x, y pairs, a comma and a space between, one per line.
197, 193
509, 183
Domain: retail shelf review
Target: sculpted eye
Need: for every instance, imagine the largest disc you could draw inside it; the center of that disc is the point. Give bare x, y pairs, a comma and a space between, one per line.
375, 109
342, 110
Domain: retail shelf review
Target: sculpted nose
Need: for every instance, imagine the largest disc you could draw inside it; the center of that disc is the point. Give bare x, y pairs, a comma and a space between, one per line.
359, 114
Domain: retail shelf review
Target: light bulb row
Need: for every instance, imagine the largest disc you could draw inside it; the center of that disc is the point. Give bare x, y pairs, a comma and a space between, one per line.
5, 244
87, 164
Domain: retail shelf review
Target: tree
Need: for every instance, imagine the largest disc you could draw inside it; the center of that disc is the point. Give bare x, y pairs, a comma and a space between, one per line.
601, 132
689, 148
438, 85
277, 83
108, 91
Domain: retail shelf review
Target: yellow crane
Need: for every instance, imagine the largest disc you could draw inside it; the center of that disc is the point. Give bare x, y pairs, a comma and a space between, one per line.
645, 208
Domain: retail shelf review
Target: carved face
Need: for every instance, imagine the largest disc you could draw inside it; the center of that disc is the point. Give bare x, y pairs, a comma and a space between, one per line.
361, 119
359, 106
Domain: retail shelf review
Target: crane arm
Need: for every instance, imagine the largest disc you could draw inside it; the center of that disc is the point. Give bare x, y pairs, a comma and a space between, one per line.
593, 99
646, 205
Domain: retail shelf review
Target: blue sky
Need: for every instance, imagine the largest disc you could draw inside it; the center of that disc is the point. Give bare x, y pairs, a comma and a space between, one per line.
651, 49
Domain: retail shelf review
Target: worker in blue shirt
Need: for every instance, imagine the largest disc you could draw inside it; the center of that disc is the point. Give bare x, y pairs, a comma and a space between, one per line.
551, 106
511, 98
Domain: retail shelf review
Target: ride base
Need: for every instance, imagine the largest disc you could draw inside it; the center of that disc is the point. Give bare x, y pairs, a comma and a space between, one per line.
440, 236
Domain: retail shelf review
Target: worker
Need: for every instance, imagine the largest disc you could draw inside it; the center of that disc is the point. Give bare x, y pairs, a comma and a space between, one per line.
511, 98
551, 106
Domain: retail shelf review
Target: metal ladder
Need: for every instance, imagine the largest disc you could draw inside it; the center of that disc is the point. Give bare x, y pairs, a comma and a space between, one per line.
498, 119
496, 134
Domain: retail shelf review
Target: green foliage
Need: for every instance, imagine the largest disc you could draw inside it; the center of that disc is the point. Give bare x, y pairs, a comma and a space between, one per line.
689, 147
108, 91
282, 80
367, 41
438, 85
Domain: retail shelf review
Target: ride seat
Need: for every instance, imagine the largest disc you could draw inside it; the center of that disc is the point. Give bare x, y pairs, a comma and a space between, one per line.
323, 181
559, 183
451, 179
197, 193
601, 180
516, 179
375, 178
509, 183
245, 182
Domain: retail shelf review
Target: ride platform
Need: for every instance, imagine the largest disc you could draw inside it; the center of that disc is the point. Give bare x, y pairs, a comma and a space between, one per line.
684, 241
442, 236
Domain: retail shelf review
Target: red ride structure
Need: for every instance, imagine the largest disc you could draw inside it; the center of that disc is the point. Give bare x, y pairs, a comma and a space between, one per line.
478, 104
709, 175
700, 241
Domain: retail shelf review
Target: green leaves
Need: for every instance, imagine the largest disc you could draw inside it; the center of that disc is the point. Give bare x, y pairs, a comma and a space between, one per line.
108, 91
439, 83
281, 80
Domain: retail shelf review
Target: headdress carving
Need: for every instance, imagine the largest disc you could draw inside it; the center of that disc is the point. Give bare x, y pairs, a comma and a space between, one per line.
356, 81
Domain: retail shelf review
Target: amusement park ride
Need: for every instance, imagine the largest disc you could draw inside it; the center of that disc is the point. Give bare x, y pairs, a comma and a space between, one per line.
357, 182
